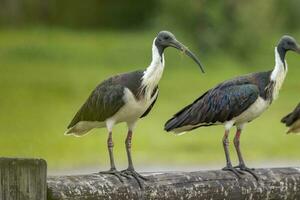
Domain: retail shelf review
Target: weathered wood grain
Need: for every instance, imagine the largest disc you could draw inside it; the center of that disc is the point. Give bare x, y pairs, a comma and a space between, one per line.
23, 179
275, 184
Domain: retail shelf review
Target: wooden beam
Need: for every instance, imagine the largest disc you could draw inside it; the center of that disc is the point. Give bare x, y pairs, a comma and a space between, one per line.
23, 179
275, 183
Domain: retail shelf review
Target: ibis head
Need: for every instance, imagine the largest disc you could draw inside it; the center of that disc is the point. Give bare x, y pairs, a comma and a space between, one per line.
288, 43
166, 39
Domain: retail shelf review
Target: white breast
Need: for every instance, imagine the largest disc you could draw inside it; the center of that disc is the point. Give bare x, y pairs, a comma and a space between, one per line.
255, 110
133, 108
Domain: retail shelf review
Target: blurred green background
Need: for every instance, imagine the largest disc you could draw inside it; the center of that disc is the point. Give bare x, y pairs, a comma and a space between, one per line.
54, 52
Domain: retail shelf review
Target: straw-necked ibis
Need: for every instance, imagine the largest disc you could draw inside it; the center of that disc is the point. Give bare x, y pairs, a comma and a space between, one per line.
236, 102
126, 98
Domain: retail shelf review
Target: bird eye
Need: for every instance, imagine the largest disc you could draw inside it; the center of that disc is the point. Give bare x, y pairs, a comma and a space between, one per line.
290, 43
166, 37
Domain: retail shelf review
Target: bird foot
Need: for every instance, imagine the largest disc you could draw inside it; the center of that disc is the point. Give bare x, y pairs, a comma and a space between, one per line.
243, 167
237, 172
139, 178
114, 172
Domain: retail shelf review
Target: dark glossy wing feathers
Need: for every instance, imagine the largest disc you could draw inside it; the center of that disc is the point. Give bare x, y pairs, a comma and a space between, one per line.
107, 98
103, 103
220, 104
292, 117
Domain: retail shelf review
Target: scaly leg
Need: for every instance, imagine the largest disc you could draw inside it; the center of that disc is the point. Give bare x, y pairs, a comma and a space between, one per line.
112, 170
229, 166
130, 170
242, 165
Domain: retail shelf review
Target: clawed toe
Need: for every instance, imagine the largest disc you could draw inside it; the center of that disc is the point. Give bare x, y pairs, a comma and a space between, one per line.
125, 175
249, 170
243, 167
131, 173
237, 172
114, 172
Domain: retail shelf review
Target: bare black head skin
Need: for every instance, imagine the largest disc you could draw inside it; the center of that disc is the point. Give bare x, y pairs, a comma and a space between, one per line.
287, 43
166, 39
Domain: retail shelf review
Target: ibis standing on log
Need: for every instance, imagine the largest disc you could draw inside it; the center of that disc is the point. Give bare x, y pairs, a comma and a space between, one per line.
292, 120
235, 103
126, 98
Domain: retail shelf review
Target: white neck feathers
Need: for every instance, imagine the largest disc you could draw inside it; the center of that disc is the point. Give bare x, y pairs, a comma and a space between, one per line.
279, 73
153, 73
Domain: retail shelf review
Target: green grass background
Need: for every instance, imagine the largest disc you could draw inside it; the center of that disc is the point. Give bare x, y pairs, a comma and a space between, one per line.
45, 76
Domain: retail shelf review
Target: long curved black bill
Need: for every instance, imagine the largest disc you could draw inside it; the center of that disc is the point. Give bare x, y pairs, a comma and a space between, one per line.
185, 50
